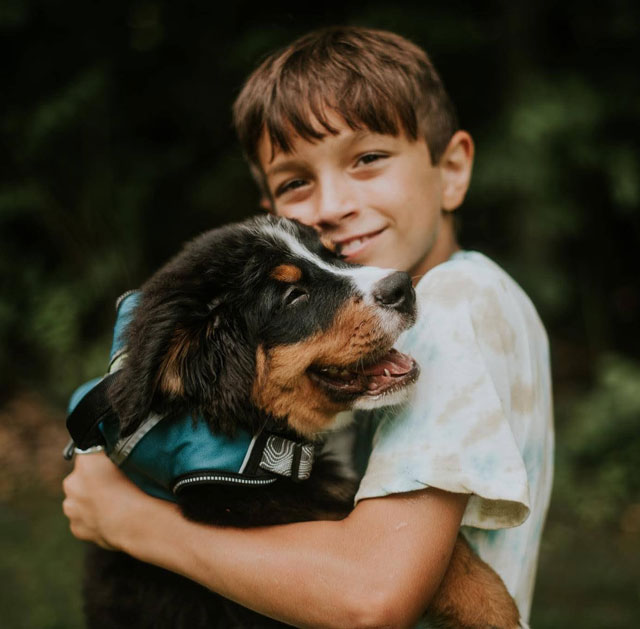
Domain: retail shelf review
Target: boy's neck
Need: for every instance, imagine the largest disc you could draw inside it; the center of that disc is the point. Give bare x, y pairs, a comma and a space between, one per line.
445, 245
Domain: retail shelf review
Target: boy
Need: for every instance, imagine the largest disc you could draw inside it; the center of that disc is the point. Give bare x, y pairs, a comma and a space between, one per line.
350, 130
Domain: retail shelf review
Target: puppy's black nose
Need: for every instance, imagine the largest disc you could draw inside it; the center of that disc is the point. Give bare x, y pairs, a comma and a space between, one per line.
395, 291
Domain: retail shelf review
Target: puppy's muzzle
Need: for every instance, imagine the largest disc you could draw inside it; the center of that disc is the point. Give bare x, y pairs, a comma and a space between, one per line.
396, 293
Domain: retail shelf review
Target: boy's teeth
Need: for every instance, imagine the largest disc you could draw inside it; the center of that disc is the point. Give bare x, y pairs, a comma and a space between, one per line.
352, 246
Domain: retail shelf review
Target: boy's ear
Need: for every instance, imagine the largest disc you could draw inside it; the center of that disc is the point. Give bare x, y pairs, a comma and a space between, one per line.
455, 170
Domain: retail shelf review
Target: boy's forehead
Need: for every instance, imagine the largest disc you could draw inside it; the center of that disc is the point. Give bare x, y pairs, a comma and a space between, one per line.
268, 153
273, 157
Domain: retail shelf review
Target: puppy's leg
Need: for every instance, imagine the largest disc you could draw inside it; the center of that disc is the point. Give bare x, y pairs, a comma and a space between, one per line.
472, 595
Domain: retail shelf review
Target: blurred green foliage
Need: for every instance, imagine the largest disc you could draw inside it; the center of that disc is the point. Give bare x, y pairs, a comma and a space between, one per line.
41, 571
600, 449
116, 146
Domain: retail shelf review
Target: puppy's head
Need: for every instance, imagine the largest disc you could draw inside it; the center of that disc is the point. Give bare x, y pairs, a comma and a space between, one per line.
259, 317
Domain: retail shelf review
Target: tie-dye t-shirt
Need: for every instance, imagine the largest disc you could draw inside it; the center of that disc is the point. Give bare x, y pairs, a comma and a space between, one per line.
480, 419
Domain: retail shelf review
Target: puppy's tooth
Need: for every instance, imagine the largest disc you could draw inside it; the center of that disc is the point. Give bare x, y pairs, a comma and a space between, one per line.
387, 373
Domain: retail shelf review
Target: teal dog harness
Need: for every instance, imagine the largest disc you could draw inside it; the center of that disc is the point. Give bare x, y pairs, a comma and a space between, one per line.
164, 456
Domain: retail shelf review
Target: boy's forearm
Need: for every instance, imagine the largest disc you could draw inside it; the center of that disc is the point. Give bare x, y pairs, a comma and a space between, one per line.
307, 574
273, 570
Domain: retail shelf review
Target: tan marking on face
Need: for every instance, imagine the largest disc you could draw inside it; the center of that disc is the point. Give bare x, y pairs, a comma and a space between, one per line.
169, 376
327, 243
282, 386
287, 273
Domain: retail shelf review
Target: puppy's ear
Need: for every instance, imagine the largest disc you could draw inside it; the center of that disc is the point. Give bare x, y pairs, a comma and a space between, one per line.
170, 378
158, 340
209, 371
191, 362
150, 374
182, 359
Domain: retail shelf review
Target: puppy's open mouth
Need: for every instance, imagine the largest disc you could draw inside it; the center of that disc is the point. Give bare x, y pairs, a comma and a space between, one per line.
371, 376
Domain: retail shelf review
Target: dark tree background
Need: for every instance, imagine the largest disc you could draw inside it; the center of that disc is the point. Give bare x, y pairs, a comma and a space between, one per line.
116, 146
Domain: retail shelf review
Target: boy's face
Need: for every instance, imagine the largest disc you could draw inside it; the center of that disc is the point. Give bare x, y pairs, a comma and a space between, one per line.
378, 196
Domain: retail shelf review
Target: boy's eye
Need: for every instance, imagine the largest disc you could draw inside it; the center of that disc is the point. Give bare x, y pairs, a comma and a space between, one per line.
287, 186
369, 158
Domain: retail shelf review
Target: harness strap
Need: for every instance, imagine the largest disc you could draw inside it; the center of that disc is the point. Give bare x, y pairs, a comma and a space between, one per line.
274, 454
125, 445
83, 422
268, 456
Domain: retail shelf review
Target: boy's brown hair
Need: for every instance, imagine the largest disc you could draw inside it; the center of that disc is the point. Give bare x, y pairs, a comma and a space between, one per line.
374, 79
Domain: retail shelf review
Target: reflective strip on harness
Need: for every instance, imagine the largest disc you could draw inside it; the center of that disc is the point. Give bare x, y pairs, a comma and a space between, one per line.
224, 479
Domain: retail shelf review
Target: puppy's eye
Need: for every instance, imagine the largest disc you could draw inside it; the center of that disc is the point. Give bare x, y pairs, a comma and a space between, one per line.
295, 295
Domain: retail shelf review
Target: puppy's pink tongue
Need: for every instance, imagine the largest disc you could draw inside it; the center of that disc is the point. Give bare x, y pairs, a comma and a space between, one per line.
393, 363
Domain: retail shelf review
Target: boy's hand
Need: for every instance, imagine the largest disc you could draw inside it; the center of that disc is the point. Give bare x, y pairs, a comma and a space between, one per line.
98, 496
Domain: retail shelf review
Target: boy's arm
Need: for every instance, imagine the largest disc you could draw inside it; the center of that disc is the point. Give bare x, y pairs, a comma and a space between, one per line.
378, 567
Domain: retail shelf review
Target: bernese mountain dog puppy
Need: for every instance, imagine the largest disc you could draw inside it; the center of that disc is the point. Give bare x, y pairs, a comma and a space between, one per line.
259, 328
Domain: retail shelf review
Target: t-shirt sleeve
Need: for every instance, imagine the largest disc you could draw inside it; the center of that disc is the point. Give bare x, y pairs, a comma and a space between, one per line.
455, 432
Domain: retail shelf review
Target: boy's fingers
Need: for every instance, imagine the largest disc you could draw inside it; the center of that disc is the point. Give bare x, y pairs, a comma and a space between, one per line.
92, 464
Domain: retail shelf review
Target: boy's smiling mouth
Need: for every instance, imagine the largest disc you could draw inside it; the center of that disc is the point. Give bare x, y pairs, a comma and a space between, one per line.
354, 245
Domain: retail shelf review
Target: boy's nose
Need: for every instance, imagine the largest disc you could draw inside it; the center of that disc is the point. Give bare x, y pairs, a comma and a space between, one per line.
396, 292
335, 203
